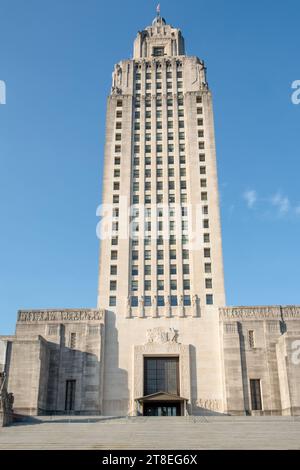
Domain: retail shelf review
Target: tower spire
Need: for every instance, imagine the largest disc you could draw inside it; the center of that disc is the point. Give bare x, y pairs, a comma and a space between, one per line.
158, 10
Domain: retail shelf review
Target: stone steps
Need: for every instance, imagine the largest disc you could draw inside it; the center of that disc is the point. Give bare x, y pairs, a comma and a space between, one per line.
153, 433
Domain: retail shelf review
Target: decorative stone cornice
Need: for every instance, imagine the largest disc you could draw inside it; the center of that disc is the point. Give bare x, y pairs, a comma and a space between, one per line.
271, 312
291, 312
61, 315
249, 313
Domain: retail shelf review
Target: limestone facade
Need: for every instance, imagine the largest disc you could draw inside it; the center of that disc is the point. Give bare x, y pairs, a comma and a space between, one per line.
158, 296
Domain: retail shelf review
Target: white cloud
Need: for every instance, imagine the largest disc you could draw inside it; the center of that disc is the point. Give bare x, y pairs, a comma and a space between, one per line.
251, 197
281, 202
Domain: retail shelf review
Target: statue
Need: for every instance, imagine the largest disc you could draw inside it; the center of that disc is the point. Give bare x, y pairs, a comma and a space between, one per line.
154, 306
168, 305
141, 305
128, 306
181, 305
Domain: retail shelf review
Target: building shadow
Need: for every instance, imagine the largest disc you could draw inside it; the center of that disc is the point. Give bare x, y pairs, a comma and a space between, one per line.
116, 394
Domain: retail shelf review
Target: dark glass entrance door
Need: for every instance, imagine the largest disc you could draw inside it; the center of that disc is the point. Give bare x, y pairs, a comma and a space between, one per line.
161, 374
162, 409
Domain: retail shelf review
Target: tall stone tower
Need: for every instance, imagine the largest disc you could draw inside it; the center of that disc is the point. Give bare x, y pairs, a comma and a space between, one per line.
161, 270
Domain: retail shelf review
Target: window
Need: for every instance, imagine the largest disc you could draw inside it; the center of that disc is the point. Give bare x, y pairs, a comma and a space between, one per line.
160, 301
119, 103
70, 395
209, 299
202, 170
113, 285
117, 160
147, 269
72, 340
186, 269
205, 223
148, 254
208, 283
174, 302
173, 269
118, 125
160, 269
207, 267
161, 374
203, 196
137, 115
199, 111
118, 137
160, 254
116, 186
113, 270
118, 148
160, 284
135, 255
206, 252
172, 240
201, 157
134, 270
147, 285
185, 254
172, 254
206, 238
114, 241
113, 254
134, 301
205, 210
173, 284
186, 284
255, 390
183, 197
251, 339
112, 301
186, 300
203, 183
134, 285
201, 145
119, 114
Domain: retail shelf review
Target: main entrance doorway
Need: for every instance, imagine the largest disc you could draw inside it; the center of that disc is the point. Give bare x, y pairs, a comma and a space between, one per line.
162, 409
161, 374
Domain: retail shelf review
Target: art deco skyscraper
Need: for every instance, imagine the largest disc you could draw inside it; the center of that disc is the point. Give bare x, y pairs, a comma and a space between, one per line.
160, 181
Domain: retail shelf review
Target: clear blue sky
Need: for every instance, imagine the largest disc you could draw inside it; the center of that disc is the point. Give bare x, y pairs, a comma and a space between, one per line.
56, 58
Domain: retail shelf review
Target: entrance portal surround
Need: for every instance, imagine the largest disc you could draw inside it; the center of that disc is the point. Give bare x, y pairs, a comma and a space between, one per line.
161, 349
